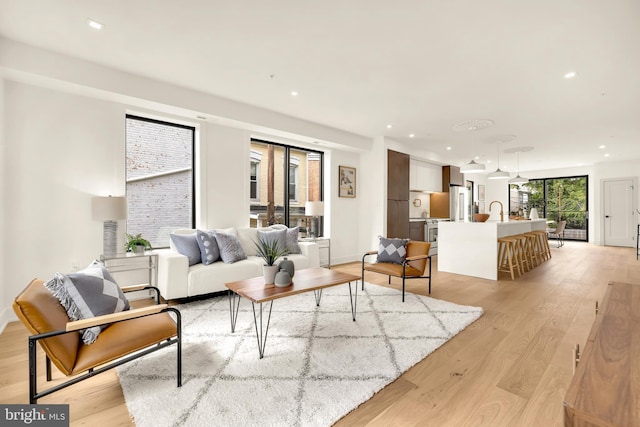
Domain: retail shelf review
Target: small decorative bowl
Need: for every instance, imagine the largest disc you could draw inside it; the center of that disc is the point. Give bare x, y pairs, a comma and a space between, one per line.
481, 217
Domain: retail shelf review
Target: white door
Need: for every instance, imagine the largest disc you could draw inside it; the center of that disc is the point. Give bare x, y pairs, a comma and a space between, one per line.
619, 208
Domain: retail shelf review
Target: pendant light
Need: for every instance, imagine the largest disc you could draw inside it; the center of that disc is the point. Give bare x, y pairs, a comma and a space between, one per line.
499, 174
471, 126
518, 179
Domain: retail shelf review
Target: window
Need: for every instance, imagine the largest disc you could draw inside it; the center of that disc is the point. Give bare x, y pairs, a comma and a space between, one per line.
282, 179
159, 178
556, 199
293, 179
254, 176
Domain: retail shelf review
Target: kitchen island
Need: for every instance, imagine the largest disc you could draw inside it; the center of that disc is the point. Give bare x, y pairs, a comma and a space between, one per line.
471, 248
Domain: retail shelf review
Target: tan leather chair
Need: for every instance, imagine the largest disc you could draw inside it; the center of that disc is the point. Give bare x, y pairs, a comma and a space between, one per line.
140, 331
558, 232
413, 267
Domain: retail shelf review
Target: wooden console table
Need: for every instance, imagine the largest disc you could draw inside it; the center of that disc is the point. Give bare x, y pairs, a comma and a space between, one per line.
606, 385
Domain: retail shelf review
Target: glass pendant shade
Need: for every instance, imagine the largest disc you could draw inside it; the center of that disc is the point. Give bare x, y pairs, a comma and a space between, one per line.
471, 167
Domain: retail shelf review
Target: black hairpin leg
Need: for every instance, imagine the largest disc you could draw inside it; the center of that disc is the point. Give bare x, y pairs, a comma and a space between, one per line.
234, 305
354, 300
318, 295
261, 333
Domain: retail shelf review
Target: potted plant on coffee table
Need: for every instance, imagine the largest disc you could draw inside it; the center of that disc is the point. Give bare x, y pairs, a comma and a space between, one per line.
269, 251
136, 243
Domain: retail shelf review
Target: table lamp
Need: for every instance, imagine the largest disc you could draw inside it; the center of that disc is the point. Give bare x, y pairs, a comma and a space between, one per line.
314, 210
110, 210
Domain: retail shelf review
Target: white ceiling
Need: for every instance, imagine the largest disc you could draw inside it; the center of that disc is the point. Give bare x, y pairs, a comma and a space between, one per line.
358, 65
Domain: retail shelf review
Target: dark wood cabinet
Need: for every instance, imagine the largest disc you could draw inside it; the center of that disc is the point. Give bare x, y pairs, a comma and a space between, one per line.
397, 175
397, 194
416, 231
398, 219
451, 175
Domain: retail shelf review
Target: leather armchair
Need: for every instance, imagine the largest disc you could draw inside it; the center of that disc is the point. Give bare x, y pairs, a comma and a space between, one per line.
130, 335
413, 266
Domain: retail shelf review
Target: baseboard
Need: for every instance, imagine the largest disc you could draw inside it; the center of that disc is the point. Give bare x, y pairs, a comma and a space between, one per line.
6, 316
345, 260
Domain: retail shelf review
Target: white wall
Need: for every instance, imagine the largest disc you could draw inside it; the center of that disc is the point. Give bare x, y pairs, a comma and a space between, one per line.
5, 297
61, 149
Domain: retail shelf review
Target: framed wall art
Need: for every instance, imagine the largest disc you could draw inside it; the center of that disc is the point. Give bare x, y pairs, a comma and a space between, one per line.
346, 181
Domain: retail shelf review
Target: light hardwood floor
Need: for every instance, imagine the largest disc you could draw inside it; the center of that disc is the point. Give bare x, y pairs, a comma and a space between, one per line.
510, 368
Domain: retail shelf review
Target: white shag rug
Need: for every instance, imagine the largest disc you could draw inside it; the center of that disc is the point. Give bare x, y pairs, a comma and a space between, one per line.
318, 366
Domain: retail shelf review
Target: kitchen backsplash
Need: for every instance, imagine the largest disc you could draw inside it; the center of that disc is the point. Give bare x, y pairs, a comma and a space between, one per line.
416, 212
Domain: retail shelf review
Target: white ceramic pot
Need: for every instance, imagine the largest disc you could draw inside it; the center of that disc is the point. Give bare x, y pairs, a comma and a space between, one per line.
269, 272
533, 214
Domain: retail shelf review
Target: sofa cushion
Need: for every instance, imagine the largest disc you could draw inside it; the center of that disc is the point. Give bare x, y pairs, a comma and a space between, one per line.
271, 236
392, 250
208, 246
187, 245
292, 237
248, 238
230, 248
88, 293
292, 241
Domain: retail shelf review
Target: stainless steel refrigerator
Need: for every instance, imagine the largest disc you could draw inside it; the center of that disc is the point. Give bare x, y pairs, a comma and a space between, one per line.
459, 204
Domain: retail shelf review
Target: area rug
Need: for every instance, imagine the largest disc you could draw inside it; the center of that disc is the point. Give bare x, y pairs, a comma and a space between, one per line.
318, 365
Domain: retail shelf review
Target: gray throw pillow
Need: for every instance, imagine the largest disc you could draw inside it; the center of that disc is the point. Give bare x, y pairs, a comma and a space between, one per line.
187, 245
278, 236
392, 250
230, 248
292, 241
88, 293
209, 251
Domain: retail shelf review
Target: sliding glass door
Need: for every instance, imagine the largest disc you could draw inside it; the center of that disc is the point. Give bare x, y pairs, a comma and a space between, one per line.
556, 199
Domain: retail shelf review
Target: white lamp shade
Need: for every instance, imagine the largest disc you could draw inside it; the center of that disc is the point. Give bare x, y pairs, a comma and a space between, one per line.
314, 208
498, 174
109, 208
472, 167
518, 180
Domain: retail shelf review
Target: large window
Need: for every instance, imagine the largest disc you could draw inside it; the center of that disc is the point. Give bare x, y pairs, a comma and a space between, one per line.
556, 199
160, 178
282, 179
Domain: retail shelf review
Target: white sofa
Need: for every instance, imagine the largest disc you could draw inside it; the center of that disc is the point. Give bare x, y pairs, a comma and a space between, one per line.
176, 279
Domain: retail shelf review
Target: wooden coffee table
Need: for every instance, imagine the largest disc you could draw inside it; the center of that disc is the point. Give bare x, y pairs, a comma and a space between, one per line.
311, 279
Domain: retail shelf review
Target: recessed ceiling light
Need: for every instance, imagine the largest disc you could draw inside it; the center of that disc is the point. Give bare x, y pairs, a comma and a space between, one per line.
294, 93
606, 155
389, 126
603, 146
94, 24
477, 158
412, 135
570, 75
448, 148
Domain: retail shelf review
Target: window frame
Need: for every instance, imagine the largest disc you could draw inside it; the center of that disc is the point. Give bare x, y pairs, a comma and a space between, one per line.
287, 158
193, 159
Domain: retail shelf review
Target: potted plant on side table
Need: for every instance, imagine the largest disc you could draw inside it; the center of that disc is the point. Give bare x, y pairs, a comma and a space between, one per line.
136, 244
269, 251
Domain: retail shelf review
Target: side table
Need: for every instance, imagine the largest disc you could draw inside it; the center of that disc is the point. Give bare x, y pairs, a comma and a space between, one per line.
124, 265
324, 243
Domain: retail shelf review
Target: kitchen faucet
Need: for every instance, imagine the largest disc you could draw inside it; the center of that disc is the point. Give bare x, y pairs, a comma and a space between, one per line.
501, 209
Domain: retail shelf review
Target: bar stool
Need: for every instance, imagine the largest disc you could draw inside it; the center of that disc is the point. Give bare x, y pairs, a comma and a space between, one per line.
507, 261
543, 244
521, 252
534, 248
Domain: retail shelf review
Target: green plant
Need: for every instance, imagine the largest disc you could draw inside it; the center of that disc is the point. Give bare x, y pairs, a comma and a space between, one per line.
269, 251
137, 240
